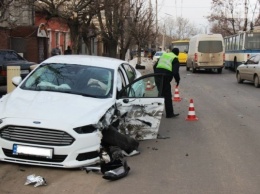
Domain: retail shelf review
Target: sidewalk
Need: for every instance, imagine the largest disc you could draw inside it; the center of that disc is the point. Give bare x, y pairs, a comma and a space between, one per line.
145, 61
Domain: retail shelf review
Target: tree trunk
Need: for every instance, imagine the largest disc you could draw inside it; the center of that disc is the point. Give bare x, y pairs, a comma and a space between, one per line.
139, 55
111, 48
74, 34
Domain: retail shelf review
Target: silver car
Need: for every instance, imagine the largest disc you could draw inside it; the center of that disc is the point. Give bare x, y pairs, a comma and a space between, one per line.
250, 71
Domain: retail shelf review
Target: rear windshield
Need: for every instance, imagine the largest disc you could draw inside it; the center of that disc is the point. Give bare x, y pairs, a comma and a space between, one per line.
9, 56
213, 46
183, 47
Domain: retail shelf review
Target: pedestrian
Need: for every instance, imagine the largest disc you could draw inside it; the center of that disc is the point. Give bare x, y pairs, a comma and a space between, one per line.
56, 51
68, 51
169, 65
153, 53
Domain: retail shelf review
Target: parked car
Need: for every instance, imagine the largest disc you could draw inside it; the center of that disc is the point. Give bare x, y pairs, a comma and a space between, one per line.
12, 58
56, 116
250, 71
157, 55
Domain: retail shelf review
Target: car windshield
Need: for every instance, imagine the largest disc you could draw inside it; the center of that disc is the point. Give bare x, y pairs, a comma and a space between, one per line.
71, 78
158, 54
9, 56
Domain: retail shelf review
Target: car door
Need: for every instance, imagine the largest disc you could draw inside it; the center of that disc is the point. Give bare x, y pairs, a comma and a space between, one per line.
141, 113
249, 69
253, 67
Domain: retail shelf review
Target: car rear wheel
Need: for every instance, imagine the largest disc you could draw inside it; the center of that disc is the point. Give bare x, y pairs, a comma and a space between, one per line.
219, 70
256, 81
239, 80
193, 69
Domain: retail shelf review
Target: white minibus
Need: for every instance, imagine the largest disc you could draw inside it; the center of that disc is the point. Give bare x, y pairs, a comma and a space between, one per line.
206, 51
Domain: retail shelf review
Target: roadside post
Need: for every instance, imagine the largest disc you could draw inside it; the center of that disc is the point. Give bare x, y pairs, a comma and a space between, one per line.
12, 71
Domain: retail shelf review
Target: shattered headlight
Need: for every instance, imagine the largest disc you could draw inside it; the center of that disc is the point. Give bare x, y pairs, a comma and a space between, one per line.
85, 129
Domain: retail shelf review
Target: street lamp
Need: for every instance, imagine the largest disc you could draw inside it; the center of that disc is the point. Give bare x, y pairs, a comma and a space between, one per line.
164, 32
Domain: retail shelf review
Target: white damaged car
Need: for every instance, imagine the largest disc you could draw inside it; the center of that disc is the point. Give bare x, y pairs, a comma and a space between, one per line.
56, 115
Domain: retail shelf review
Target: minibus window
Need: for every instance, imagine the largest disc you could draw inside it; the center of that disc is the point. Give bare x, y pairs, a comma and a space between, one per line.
210, 46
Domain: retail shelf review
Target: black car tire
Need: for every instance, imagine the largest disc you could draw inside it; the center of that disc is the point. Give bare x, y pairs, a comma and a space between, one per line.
256, 81
239, 80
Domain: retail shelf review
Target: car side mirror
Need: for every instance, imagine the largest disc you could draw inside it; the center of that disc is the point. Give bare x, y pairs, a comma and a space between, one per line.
16, 80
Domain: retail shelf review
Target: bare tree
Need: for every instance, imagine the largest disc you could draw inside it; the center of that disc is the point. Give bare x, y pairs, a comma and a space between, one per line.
178, 29
109, 16
143, 28
74, 12
13, 13
184, 28
227, 19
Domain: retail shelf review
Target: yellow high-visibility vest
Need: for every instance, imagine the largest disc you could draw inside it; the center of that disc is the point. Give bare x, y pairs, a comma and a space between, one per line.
165, 61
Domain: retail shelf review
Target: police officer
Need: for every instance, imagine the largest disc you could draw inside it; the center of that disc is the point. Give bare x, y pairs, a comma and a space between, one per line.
169, 64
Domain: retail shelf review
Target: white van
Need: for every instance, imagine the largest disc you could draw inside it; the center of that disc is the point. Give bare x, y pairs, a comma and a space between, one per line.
206, 51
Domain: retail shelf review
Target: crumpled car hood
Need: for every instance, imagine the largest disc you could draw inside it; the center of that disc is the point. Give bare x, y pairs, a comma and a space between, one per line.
59, 107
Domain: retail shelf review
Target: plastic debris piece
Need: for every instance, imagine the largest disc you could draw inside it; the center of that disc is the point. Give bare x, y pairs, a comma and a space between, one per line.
92, 168
117, 173
105, 157
38, 180
30, 179
134, 152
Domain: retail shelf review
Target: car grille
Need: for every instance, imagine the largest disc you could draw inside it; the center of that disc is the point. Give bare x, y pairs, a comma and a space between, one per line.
36, 136
55, 158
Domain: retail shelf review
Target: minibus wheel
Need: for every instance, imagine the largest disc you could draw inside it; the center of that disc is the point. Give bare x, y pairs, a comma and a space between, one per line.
193, 69
219, 70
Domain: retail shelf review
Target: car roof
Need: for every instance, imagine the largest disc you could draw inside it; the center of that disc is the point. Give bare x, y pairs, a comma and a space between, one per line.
5, 50
90, 60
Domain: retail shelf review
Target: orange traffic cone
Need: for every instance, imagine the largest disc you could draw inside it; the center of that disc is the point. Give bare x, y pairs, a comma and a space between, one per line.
148, 85
176, 96
191, 114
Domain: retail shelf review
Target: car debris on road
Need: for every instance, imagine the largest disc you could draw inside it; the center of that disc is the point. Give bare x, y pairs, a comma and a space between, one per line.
38, 180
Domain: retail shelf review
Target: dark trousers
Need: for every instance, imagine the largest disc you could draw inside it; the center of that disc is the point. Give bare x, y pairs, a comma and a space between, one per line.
167, 94
166, 90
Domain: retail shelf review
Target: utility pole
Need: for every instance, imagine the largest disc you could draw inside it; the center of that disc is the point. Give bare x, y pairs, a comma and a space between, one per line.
163, 41
156, 14
246, 11
150, 14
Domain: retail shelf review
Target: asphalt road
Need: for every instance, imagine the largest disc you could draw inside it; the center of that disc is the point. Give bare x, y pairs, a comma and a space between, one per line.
218, 154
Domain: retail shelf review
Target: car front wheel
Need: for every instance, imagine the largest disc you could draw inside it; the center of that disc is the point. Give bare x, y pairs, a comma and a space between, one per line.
239, 80
256, 81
